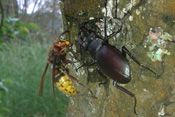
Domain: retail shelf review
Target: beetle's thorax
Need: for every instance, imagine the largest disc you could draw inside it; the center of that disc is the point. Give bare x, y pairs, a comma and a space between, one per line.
94, 46
89, 38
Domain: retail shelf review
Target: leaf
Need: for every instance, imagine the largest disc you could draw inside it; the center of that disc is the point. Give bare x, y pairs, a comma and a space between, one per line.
8, 81
32, 26
29, 26
2, 87
5, 109
23, 30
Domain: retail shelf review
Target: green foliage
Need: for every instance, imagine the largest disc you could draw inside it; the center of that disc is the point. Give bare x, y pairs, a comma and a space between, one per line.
21, 72
13, 28
5, 46
3, 88
25, 28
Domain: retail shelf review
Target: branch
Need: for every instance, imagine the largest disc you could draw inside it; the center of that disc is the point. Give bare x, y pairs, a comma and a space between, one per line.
33, 10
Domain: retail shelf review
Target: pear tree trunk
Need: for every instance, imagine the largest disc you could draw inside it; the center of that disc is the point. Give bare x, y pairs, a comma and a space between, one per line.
141, 21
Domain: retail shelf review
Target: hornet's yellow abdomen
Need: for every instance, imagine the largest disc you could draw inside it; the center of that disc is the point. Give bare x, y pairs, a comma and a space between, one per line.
64, 84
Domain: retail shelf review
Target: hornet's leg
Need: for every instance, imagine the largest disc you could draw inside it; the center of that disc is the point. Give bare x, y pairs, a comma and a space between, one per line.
127, 92
71, 62
53, 77
67, 31
76, 80
42, 80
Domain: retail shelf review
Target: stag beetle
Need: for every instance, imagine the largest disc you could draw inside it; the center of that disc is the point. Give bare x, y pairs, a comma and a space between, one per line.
110, 60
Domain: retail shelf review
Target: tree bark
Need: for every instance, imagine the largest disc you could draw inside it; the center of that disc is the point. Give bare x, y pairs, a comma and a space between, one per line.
16, 8
2, 15
53, 14
155, 96
10, 7
25, 5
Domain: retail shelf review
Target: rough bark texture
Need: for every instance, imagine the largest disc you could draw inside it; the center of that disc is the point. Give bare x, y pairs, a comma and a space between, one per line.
155, 96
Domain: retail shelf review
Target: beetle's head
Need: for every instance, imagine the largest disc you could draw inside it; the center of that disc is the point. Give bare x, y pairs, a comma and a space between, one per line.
85, 37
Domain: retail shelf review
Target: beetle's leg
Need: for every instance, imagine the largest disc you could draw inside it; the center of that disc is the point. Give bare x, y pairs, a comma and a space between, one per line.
81, 53
101, 74
88, 76
80, 66
87, 64
127, 92
105, 26
173, 41
126, 51
115, 17
116, 8
113, 34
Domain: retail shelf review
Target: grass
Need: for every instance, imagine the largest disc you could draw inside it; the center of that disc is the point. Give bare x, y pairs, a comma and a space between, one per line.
20, 72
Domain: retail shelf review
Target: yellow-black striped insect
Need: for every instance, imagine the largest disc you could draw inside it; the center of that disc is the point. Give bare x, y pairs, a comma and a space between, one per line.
60, 74
63, 83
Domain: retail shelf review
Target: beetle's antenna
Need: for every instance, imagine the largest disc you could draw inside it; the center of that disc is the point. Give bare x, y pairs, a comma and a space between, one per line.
105, 27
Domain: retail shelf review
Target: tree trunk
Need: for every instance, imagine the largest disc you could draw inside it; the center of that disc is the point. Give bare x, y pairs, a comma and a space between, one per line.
155, 96
53, 14
25, 6
2, 15
10, 7
16, 8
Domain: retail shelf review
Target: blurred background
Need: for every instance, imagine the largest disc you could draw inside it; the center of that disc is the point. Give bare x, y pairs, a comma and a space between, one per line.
27, 30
